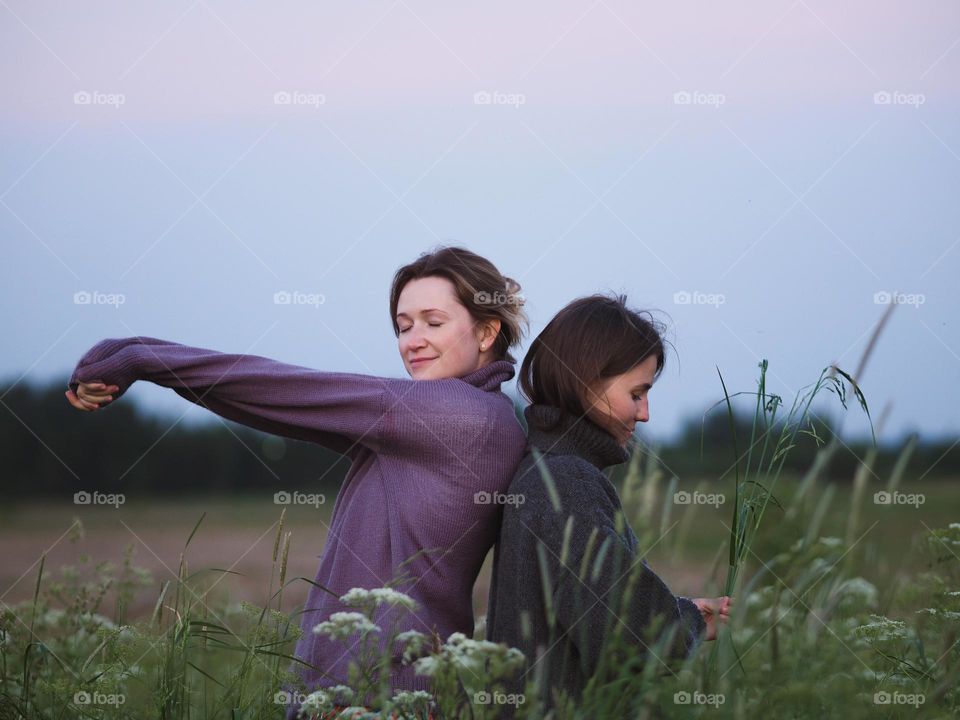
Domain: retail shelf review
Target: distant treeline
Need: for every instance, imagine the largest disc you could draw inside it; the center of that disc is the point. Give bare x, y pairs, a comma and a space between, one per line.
47, 448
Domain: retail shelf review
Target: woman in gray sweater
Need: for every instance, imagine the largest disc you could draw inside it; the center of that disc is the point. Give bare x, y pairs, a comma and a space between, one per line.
568, 576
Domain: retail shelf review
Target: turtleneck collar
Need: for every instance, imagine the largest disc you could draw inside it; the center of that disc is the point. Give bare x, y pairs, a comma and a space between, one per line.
491, 375
572, 436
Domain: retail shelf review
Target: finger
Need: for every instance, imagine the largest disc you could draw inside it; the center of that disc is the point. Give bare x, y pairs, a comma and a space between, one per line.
96, 397
92, 393
98, 387
87, 402
72, 399
77, 402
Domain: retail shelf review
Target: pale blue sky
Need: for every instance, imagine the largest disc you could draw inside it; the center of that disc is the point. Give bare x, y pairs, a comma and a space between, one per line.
816, 164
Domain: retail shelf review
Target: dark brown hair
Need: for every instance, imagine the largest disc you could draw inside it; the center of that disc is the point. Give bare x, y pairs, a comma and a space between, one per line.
479, 286
592, 338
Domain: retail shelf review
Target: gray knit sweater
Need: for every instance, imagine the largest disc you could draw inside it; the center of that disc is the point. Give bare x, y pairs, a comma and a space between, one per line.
585, 612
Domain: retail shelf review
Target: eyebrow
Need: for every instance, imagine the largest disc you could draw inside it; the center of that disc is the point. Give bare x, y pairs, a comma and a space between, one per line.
424, 312
643, 386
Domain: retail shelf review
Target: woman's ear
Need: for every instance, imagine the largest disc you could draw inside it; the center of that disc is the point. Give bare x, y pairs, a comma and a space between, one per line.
488, 333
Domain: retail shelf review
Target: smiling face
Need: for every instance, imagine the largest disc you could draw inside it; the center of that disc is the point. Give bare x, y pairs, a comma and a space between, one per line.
619, 402
438, 338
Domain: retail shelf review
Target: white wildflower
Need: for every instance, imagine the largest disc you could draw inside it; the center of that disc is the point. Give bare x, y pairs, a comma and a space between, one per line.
357, 712
410, 701
339, 691
859, 589
342, 625
363, 598
430, 665
414, 642
315, 703
882, 628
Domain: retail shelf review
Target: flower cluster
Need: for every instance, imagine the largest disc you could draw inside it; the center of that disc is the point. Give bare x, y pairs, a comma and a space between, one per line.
479, 657
343, 625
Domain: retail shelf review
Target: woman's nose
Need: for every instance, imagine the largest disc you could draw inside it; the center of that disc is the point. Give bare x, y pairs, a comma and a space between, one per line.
414, 339
644, 414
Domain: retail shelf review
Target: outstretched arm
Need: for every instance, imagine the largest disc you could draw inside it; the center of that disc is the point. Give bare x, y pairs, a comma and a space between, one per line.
337, 410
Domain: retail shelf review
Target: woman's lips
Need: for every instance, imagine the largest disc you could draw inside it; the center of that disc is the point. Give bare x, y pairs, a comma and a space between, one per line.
420, 360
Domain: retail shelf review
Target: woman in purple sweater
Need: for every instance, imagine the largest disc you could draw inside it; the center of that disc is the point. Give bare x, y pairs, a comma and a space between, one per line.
425, 452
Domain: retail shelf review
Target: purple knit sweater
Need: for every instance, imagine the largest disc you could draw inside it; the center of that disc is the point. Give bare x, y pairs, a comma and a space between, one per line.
420, 450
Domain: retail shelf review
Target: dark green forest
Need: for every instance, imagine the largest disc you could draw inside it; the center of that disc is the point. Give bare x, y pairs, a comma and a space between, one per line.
47, 447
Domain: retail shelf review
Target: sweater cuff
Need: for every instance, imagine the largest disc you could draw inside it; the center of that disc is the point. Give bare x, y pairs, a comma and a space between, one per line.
111, 361
692, 622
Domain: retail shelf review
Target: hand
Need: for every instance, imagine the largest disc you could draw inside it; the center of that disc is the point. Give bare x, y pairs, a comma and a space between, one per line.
714, 612
90, 396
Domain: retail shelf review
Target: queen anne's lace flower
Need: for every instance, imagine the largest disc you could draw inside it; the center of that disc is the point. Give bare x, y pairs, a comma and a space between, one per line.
342, 625
363, 598
315, 703
882, 628
477, 656
413, 641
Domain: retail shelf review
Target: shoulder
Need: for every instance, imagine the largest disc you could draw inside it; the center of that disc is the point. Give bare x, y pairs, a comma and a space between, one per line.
566, 484
448, 403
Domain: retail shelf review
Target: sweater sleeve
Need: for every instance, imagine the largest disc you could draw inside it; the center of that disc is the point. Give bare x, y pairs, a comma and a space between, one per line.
337, 410
604, 587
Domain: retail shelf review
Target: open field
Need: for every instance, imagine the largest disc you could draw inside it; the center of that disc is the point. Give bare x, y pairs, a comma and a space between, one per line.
237, 534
